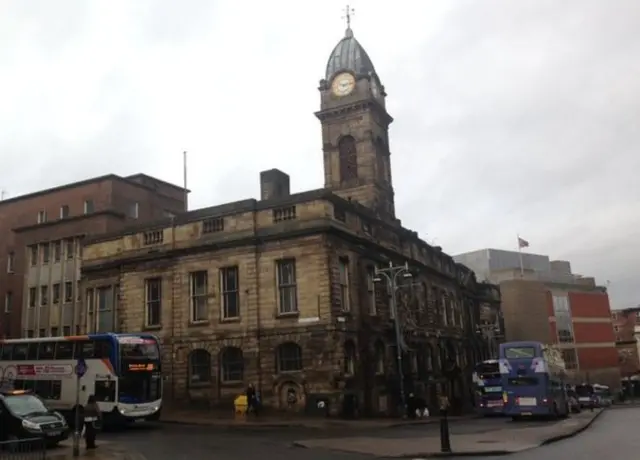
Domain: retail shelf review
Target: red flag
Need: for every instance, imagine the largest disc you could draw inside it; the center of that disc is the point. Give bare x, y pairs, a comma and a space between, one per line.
522, 243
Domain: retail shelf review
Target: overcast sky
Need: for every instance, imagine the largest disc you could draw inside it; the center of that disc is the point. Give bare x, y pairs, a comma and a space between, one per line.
510, 116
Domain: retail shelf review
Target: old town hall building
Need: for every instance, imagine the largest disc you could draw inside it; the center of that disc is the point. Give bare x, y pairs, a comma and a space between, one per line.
281, 292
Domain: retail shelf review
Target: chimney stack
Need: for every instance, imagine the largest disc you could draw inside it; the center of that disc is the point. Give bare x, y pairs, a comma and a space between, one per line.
274, 184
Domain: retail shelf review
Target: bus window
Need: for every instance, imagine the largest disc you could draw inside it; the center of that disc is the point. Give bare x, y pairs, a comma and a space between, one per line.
523, 381
46, 350
64, 350
102, 349
20, 351
32, 351
6, 352
84, 349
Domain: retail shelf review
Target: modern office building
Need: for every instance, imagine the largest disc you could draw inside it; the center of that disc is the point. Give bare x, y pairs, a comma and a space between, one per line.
40, 244
544, 300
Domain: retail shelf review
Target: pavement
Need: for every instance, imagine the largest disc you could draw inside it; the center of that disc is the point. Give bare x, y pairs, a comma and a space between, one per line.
494, 442
226, 420
105, 451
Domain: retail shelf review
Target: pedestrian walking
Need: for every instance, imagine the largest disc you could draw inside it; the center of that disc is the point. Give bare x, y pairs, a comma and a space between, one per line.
92, 418
251, 400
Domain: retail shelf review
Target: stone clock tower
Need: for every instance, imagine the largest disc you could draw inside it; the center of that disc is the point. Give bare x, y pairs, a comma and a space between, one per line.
355, 129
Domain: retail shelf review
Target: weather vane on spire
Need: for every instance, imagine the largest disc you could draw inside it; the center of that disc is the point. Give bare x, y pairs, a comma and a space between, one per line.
348, 12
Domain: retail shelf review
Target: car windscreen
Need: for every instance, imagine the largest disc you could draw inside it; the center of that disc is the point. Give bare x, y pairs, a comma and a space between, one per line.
22, 405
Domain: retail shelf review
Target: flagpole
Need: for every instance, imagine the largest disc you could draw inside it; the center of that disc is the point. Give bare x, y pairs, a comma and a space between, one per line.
520, 257
184, 180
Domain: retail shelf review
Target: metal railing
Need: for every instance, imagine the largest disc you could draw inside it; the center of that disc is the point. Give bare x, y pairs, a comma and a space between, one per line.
23, 449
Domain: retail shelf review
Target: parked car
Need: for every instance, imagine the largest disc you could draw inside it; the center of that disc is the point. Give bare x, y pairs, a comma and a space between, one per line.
603, 395
586, 396
24, 416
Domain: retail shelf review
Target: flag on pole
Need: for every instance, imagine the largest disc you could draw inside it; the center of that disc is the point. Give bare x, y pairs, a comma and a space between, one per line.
522, 243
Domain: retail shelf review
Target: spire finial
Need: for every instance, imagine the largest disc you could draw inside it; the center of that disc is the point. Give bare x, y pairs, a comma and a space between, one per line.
348, 12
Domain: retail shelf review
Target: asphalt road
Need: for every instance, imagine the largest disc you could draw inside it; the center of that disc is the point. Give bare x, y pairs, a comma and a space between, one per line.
175, 442
613, 435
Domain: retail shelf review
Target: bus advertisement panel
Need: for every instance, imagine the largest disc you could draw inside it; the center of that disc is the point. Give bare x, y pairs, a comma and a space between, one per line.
123, 373
533, 379
487, 381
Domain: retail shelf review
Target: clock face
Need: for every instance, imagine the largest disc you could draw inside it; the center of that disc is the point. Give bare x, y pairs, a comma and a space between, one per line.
343, 84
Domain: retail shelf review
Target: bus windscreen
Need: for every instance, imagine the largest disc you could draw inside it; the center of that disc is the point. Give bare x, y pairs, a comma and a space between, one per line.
520, 353
139, 348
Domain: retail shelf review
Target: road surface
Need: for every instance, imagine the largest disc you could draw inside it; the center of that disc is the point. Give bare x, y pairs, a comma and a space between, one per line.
613, 435
176, 442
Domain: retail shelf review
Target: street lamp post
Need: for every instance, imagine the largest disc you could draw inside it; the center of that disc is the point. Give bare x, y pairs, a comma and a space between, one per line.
392, 274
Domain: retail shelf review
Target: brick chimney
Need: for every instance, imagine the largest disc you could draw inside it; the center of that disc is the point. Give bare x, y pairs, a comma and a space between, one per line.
274, 184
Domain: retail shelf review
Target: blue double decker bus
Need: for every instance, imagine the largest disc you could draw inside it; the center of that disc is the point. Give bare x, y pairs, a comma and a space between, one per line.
123, 373
487, 382
533, 380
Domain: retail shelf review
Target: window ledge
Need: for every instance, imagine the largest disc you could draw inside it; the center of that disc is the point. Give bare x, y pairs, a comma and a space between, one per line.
155, 327
199, 385
232, 384
203, 322
293, 314
291, 372
236, 319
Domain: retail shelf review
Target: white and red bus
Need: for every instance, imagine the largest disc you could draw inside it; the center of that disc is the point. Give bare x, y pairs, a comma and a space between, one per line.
123, 373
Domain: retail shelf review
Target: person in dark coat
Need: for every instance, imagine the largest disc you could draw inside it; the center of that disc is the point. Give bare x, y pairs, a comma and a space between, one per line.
411, 406
92, 417
252, 404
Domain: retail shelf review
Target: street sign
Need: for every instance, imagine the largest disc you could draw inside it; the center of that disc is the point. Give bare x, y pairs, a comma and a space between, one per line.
81, 367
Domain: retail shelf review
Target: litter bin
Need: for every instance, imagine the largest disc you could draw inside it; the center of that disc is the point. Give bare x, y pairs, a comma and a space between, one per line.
240, 404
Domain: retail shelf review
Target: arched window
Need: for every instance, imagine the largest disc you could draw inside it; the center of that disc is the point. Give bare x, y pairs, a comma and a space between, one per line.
349, 367
381, 162
348, 158
288, 358
231, 365
199, 366
380, 357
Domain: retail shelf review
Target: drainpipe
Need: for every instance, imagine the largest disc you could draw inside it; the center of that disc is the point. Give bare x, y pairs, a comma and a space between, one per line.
173, 312
257, 253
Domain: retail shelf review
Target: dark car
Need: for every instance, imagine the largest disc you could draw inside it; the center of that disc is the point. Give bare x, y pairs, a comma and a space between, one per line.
24, 416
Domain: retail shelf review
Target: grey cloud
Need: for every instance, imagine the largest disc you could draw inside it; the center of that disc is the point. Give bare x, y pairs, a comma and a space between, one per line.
511, 116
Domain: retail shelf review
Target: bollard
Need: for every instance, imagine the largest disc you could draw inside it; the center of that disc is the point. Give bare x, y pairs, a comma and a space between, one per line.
445, 439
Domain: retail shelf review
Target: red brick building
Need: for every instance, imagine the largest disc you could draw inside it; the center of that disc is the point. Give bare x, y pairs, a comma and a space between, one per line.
626, 326
576, 317
40, 244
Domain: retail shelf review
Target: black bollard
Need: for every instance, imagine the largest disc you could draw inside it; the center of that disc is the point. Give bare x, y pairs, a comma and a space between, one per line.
445, 440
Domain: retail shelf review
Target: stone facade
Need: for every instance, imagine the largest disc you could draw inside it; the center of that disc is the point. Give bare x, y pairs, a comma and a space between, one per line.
340, 326
282, 292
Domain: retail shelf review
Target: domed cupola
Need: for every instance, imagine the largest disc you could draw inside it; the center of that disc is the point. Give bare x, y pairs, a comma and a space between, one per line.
349, 55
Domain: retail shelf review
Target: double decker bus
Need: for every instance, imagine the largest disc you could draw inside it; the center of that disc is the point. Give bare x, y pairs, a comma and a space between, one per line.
123, 372
533, 379
487, 381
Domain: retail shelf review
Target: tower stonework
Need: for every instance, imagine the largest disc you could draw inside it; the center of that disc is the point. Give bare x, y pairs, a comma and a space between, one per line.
355, 129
